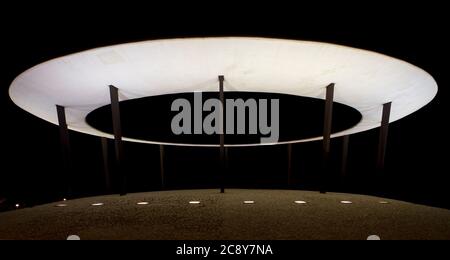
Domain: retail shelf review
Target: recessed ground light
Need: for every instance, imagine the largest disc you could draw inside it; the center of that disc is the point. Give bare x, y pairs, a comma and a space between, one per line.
73, 237
346, 202
61, 205
384, 202
97, 204
142, 203
194, 202
300, 202
249, 202
373, 237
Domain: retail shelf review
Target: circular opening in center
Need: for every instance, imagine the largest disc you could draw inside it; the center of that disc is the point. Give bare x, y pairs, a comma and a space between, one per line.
152, 118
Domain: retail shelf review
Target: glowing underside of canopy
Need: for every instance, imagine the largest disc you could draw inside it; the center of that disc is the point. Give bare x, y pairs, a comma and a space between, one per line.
364, 80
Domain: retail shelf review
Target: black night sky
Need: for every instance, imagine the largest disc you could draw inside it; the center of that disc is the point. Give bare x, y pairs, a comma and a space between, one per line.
417, 163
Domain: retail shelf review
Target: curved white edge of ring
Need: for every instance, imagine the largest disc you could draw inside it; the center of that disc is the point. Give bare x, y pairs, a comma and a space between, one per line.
365, 80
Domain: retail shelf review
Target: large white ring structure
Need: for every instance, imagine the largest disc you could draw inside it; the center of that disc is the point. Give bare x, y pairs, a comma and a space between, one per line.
363, 79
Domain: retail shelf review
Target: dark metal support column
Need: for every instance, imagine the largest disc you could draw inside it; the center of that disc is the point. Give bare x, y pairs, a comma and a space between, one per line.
106, 170
222, 135
327, 135
383, 136
161, 163
65, 146
226, 158
345, 142
117, 128
289, 148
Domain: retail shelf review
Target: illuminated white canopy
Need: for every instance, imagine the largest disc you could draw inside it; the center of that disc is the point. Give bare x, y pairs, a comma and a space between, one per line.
364, 80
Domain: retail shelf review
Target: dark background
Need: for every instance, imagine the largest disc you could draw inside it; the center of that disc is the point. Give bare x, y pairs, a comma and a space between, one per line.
155, 125
417, 159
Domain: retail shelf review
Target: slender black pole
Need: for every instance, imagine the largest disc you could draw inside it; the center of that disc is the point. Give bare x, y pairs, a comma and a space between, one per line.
289, 149
382, 144
117, 128
106, 170
328, 116
65, 147
161, 164
227, 150
345, 142
222, 135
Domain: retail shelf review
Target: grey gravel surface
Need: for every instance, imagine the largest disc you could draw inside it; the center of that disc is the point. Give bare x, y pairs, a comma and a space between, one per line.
273, 216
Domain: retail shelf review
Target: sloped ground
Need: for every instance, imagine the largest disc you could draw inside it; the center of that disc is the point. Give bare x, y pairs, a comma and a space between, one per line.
274, 215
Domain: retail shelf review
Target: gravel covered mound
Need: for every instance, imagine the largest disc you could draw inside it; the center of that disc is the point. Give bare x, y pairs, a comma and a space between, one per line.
237, 214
